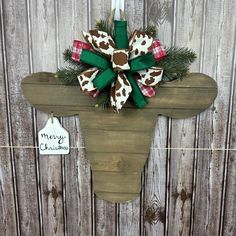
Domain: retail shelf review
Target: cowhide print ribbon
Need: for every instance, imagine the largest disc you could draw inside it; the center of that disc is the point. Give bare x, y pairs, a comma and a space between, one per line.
126, 65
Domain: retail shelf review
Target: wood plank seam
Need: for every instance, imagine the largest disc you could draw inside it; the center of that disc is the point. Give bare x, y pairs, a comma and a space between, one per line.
202, 47
93, 197
169, 133
56, 10
6, 82
228, 135
34, 122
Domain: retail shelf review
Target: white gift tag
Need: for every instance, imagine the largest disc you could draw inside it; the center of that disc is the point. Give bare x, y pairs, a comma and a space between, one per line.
53, 138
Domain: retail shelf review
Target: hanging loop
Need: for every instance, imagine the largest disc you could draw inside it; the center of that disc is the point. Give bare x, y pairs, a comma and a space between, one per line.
118, 5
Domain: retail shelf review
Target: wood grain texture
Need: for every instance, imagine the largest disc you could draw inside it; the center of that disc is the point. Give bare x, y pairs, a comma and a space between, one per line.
228, 216
213, 124
20, 114
183, 132
34, 42
130, 214
105, 218
193, 94
43, 41
78, 207
8, 214
159, 13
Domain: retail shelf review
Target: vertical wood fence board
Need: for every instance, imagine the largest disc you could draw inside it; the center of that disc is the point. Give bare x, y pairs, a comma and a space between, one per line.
219, 41
155, 180
229, 215
134, 13
105, 212
44, 54
129, 213
77, 181
229, 228
160, 14
187, 34
100, 9
15, 20
52, 197
8, 225
105, 218
129, 218
68, 205
229, 211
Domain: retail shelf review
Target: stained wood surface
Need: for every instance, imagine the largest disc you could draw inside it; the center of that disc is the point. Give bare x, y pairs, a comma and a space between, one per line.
204, 24
118, 137
177, 99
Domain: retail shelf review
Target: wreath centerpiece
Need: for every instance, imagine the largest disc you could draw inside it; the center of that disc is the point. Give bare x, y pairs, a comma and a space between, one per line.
115, 67
119, 69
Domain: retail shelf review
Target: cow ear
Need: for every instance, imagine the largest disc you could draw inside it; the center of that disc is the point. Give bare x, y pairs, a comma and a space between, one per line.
185, 98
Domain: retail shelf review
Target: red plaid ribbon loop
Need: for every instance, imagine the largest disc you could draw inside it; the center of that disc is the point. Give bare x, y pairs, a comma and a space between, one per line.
157, 50
146, 90
78, 46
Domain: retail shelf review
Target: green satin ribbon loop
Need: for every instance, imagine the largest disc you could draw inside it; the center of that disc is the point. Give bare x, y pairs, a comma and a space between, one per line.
136, 94
142, 62
94, 59
104, 78
121, 34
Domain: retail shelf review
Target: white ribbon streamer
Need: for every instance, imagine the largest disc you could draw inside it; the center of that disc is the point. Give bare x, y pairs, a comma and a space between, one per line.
117, 5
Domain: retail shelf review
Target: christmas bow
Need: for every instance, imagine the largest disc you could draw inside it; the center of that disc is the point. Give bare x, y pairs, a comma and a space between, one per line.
127, 66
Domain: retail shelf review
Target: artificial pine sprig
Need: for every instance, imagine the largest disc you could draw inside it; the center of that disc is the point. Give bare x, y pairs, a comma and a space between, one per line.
67, 57
103, 100
103, 25
150, 30
176, 63
106, 25
68, 75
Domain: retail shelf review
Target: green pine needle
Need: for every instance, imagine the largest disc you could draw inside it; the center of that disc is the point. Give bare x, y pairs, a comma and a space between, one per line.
151, 30
103, 99
104, 25
176, 63
67, 57
68, 75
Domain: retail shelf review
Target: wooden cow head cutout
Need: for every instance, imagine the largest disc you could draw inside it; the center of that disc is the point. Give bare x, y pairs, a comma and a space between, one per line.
118, 144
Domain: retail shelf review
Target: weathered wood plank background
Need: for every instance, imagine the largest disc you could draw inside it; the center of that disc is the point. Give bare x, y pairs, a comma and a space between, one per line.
185, 192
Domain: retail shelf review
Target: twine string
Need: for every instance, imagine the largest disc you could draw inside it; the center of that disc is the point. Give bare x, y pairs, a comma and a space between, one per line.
152, 148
